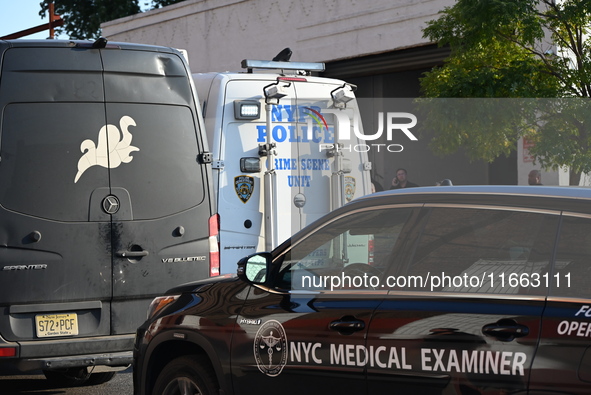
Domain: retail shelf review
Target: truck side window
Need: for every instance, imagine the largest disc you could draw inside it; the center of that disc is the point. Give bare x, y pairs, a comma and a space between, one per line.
482, 251
572, 266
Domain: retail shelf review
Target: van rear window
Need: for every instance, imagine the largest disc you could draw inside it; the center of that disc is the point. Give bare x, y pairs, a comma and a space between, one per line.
39, 155
75, 121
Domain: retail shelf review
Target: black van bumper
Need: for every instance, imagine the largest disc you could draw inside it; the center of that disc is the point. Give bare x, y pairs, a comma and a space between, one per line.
111, 351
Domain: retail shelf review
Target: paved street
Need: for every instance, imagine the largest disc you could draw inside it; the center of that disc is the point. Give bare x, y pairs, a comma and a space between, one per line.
121, 384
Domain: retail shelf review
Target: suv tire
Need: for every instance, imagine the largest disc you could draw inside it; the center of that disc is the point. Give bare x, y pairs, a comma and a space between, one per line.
187, 375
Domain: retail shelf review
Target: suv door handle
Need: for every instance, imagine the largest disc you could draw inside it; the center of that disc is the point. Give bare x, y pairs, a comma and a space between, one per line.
132, 254
505, 330
347, 325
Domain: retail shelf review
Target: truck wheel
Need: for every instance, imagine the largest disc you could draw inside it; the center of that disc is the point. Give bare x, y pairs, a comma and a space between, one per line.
74, 377
187, 375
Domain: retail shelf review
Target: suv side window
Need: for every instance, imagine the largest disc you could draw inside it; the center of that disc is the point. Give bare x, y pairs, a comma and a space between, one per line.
351, 253
482, 251
573, 259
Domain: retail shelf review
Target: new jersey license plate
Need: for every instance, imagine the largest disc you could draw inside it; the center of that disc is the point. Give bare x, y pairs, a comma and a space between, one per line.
53, 325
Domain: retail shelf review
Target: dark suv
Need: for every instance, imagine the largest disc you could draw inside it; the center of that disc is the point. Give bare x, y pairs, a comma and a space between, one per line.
455, 290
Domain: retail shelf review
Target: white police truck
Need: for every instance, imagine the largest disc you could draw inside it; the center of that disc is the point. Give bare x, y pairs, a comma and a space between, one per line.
286, 150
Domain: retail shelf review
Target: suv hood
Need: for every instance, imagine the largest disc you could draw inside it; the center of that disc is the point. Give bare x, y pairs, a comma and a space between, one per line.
202, 285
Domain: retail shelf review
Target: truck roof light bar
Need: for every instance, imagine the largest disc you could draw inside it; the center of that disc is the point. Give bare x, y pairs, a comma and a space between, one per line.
269, 64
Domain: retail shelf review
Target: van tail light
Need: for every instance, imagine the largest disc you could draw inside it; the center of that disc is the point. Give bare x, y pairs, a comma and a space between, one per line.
214, 245
8, 352
370, 251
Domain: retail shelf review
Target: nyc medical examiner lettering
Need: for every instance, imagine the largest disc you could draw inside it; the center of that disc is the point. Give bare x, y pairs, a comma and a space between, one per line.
507, 363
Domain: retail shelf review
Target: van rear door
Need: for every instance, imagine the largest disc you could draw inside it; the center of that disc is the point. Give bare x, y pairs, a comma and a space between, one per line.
158, 178
55, 240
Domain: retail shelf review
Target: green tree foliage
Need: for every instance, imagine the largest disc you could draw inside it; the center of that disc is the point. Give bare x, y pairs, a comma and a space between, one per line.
82, 18
513, 49
162, 3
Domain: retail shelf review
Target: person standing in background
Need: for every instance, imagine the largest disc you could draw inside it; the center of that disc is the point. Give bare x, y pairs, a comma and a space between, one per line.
400, 181
534, 177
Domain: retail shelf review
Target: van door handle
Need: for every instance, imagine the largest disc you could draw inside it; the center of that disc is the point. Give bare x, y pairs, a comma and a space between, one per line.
347, 326
132, 254
505, 330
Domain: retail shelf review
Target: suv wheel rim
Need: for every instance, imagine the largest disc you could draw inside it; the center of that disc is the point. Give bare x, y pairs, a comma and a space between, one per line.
182, 386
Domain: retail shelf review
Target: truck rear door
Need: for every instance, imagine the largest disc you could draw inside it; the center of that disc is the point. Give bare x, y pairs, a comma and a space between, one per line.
309, 181
328, 179
241, 194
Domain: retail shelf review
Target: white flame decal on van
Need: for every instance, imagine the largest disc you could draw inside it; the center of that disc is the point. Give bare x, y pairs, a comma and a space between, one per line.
113, 147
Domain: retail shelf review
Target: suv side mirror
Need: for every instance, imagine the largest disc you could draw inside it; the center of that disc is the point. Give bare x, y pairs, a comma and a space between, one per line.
254, 269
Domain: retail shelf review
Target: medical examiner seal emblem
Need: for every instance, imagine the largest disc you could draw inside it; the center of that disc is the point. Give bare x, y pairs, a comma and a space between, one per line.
270, 348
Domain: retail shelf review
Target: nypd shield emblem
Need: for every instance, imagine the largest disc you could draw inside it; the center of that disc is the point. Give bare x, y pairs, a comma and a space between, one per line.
349, 188
244, 186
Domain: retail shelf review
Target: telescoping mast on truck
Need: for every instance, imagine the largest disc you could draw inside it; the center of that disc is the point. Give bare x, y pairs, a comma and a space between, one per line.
284, 151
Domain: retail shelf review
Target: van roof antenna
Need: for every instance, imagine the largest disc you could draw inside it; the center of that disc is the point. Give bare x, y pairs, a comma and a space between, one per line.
101, 42
283, 56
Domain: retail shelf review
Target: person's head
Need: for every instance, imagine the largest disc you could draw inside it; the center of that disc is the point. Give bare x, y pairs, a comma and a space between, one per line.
401, 175
534, 177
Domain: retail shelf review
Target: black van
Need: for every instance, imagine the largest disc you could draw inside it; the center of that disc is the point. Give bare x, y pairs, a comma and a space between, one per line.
105, 200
